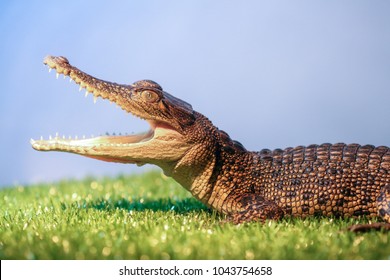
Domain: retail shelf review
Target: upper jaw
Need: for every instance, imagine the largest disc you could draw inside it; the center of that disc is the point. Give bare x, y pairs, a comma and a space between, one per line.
113, 92
119, 94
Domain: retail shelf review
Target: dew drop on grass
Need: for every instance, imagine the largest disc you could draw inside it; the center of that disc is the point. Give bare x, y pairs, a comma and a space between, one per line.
106, 251
53, 191
165, 256
65, 246
358, 240
249, 255
55, 239
94, 185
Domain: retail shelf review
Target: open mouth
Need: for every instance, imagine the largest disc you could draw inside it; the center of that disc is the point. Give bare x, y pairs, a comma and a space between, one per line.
116, 148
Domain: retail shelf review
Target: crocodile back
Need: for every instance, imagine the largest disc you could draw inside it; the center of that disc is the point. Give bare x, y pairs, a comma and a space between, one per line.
338, 179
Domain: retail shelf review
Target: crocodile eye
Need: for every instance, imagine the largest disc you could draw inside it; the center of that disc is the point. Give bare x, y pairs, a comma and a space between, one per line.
149, 96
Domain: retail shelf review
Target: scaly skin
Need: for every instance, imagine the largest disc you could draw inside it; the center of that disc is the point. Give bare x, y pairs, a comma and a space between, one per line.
326, 180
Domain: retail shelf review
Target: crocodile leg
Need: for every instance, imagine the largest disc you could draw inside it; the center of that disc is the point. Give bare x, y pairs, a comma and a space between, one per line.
383, 205
255, 208
383, 202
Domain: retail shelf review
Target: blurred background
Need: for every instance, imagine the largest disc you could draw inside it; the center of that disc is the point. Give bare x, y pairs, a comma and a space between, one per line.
272, 74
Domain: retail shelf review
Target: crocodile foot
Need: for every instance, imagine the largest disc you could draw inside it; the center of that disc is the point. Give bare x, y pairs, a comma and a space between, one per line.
369, 227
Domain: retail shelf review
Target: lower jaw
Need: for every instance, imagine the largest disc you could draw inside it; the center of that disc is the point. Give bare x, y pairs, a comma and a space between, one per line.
87, 146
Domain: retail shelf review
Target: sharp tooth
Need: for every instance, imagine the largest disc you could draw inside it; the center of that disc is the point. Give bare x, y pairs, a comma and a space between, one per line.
95, 99
64, 76
86, 93
70, 80
80, 88
57, 75
83, 136
76, 137
63, 137
41, 138
50, 137
49, 69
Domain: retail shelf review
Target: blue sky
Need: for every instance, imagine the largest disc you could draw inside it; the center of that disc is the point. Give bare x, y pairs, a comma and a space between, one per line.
272, 74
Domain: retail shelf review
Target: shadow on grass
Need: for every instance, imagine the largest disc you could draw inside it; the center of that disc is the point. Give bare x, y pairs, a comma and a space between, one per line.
164, 204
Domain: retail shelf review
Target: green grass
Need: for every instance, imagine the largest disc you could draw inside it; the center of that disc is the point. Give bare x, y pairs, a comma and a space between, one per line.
151, 217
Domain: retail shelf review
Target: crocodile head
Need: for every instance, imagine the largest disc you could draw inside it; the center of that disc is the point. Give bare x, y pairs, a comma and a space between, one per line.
169, 117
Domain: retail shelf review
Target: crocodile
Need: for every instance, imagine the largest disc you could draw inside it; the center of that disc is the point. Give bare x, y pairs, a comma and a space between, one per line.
334, 180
